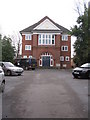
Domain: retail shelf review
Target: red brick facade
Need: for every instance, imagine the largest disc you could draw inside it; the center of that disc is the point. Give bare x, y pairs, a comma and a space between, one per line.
53, 51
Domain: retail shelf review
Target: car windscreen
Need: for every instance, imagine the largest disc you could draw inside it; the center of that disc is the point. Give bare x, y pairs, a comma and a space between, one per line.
8, 64
87, 65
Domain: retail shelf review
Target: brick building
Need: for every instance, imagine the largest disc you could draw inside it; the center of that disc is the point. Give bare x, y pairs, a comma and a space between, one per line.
48, 42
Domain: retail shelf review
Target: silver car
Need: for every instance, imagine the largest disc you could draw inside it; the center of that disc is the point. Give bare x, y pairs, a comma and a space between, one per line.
2, 80
11, 69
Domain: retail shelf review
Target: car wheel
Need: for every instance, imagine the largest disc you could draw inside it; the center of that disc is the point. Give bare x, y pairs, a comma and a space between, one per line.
8, 72
33, 68
75, 77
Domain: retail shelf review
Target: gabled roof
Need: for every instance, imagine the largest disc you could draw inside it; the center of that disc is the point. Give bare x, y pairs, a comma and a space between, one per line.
31, 28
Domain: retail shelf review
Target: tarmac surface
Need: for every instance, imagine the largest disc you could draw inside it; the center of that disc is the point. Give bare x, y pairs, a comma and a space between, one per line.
45, 93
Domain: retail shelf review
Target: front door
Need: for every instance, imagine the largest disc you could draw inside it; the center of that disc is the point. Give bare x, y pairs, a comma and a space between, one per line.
46, 61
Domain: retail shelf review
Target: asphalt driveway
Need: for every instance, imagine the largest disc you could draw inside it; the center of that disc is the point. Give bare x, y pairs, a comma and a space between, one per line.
45, 93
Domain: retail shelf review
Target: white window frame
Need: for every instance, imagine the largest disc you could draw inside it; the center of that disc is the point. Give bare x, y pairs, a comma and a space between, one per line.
30, 56
28, 37
27, 47
64, 65
64, 48
61, 58
25, 56
67, 58
64, 37
49, 39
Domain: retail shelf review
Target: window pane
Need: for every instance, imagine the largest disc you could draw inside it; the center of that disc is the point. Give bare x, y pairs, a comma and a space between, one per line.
29, 37
66, 48
67, 58
39, 39
52, 41
46, 39
52, 36
65, 37
62, 58
39, 36
63, 47
26, 37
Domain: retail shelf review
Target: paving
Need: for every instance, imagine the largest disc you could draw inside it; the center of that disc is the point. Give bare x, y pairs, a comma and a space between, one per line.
45, 93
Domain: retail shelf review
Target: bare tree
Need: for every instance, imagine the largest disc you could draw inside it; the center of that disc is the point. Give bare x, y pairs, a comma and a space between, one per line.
17, 42
79, 6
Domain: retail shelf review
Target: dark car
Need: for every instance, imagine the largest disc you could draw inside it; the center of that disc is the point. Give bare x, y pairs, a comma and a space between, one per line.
26, 63
82, 71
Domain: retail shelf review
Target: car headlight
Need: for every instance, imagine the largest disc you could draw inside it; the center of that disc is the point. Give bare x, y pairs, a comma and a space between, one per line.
13, 70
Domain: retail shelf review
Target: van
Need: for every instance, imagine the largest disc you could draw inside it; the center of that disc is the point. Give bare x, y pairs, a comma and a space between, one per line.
26, 63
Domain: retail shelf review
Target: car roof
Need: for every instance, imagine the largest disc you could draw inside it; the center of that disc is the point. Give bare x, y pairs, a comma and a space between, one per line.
86, 64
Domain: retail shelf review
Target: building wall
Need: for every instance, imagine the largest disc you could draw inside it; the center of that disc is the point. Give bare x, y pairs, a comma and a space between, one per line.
66, 53
54, 50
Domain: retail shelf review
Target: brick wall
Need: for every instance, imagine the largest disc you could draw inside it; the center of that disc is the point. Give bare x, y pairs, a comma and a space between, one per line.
37, 50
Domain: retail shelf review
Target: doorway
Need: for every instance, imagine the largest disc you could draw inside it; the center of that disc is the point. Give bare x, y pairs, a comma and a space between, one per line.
46, 61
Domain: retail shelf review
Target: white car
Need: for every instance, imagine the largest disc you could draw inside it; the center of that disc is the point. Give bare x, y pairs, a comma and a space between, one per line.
2, 80
11, 69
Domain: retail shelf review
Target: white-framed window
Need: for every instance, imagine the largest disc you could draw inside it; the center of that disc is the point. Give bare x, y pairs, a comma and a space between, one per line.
28, 37
46, 39
64, 37
64, 65
61, 58
25, 56
27, 47
30, 56
64, 48
67, 58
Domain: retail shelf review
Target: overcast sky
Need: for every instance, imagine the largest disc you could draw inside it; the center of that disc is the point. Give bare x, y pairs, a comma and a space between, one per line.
16, 15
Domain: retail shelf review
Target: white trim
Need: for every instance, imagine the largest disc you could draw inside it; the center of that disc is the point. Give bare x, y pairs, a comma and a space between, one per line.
39, 62
50, 60
46, 24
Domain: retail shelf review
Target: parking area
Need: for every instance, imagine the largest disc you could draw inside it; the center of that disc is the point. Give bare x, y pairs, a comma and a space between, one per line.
45, 93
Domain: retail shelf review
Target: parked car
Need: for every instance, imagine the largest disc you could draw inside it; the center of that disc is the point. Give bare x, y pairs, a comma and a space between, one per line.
2, 80
26, 63
11, 69
82, 72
